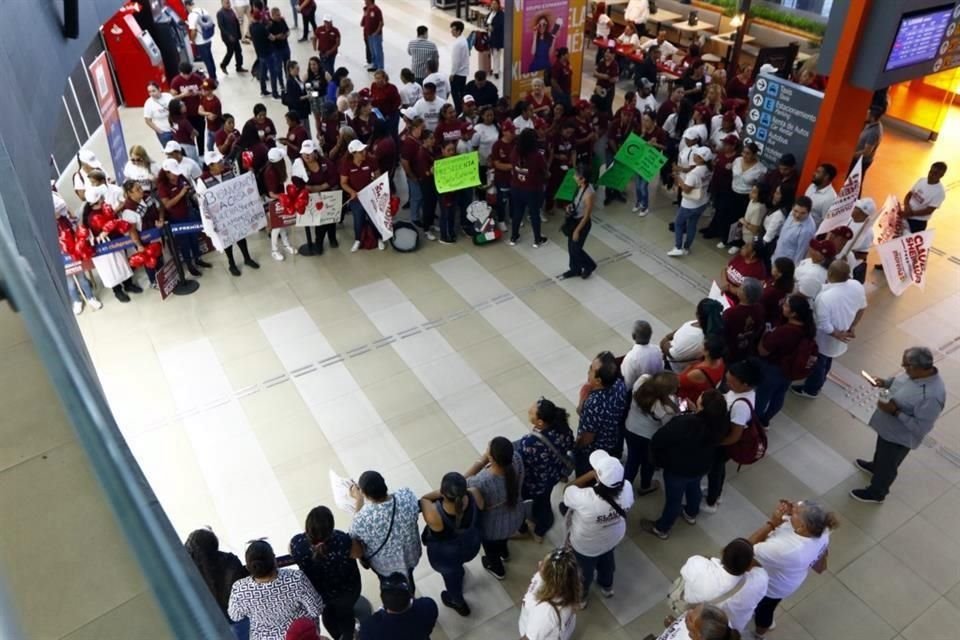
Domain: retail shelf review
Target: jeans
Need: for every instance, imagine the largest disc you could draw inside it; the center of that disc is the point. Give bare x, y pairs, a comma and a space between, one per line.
522, 201
643, 193
206, 55
273, 67
603, 565
295, 7
84, 287
675, 489
328, 62
447, 558
580, 261
376, 50
686, 221
234, 52
359, 215
164, 137
448, 223
818, 376
638, 459
717, 475
771, 392
887, 457
416, 199
211, 136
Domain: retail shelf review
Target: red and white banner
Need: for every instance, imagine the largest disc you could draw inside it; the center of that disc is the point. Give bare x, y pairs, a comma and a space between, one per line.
375, 198
889, 224
905, 260
322, 208
839, 212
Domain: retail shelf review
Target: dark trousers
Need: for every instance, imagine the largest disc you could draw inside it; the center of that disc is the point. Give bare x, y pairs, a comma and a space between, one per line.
580, 260
199, 123
448, 223
887, 457
675, 489
309, 25
522, 201
771, 392
603, 566
338, 615
502, 207
458, 87
447, 558
917, 225
717, 475
428, 190
763, 614
188, 244
541, 514
235, 53
409, 573
242, 243
818, 375
730, 208
325, 230
496, 551
638, 459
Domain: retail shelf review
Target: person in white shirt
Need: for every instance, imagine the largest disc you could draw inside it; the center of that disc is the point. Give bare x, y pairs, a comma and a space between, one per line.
438, 80
428, 107
409, 90
811, 273
667, 49
637, 13
731, 582
861, 238
201, 27
485, 134
188, 167
794, 540
603, 26
926, 195
459, 64
598, 502
156, 114
821, 191
694, 199
643, 357
548, 610
838, 309
646, 101
653, 404
703, 622
629, 36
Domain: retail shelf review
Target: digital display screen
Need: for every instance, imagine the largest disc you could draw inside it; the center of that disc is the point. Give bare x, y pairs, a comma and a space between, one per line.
918, 37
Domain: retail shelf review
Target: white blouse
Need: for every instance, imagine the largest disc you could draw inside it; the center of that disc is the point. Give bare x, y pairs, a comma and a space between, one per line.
744, 179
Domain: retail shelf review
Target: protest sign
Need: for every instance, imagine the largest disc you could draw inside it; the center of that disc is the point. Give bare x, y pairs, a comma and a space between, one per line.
617, 176
718, 295
375, 199
322, 208
839, 212
568, 188
280, 217
642, 157
457, 172
889, 224
905, 260
232, 210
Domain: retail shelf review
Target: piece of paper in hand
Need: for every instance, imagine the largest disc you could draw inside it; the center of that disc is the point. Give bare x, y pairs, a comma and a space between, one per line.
341, 492
716, 294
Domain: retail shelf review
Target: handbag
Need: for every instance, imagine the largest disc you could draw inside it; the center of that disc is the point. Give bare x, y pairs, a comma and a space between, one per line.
567, 463
678, 606
365, 560
569, 222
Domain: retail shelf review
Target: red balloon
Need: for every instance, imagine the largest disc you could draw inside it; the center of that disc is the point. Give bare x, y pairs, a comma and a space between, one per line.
155, 249
284, 201
110, 226
123, 226
246, 159
301, 201
67, 241
108, 212
137, 260
394, 205
82, 233
97, 220
292, 190
150, 262
83, 250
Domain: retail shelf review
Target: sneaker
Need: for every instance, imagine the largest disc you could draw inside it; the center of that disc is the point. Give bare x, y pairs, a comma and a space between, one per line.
276, 255
203, 263
733, 250
442, 241
95, 304
798, 391
691, 520
497, 572
502, 226
289, 249
544, 219
380, 245
863, 465
677, 253
636, 208
122, 296
242, 70
513, 242
371, 67
654, 486
567, 274
355, 247
650, 527
460, 607
583, 603
77, 308
234, 270
431, 235
864, 495
721, 245
642, 213
154, 285
223, 68
253, 264
539, 243
606, 593
709, 508
586, 273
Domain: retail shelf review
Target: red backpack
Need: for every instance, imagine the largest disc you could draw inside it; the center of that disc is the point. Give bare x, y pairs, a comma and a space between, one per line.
752, 445
799, 364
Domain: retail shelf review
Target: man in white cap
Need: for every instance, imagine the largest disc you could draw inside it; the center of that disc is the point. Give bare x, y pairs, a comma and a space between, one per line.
469, 113
861, 238
693, 200
769, 69
87, 162
356, 172
216, 172
327, 43
188, 167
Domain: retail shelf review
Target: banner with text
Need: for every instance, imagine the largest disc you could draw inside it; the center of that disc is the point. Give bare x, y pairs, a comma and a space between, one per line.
322, 208
457, 172
232, 210
905, 260
645, 159
375, 199
280, 217
839, 212
539, 29
616, 176
889, 224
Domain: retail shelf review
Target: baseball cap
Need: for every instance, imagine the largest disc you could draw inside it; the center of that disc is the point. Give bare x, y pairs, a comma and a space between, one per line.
356, 146
768, 68
87, 157
867, 205
171, 166
507, 125
94, 194
704, 152
469, 98
609, 470
212, 157
327, 18
845, 233
824, 248
172, 147
209, 83
731, 139
276, 154
308, 146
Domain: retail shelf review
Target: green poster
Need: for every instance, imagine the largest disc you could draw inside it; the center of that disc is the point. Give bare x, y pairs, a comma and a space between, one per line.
641, 157
617, 176
651, 162
568, 188
457, 172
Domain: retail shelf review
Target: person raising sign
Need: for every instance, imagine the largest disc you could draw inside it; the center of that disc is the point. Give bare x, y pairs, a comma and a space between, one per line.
217, 173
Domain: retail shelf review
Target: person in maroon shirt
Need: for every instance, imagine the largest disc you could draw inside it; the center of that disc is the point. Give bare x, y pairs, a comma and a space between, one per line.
175, 193
607, 73
584, 133
356, 172
621, 126
778, 286
227, 137
186, 86
327, 43
363, 120
777, 350
385, 96
258, 136
316, 174
372, 24
527, 181
743, 323
410, 148
448, 127
183, 131
501, 155
211, 110
721, 182
669, 106
308, 13
539, 99
328, 127
746, 264
561, 157
738, 86
448, 201
383, 149
424, 168
561, 77
296, 135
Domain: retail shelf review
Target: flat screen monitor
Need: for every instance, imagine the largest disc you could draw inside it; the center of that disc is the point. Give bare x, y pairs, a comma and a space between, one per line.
918, 37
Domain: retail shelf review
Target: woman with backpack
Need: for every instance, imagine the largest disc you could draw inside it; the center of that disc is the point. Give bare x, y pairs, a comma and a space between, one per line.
452, 534
545, 452
784, 354
549, 608
598, 502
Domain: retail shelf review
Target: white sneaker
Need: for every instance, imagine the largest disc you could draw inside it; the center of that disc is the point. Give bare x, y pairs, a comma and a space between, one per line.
512, 243
706, 508
289, 249
77, 308
96, 304
642, 212
676, 253
502, 226
544, 219
636, 208
380, 245
276, 255
721, 245
355, 247
733, 250
607, 593
431, 235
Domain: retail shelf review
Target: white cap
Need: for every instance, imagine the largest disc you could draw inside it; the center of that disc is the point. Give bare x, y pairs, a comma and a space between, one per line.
212, 157
308, 146
768, 68
609, 470
356, 146
171, 166
275, 155
867, 205
94, 194
691, 133
87, 157
704, 152
468, 98
172, 147
327, 18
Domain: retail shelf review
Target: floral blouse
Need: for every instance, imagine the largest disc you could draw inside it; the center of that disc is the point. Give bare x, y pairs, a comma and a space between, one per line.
542, 468
402, 548
332, 574
603, 412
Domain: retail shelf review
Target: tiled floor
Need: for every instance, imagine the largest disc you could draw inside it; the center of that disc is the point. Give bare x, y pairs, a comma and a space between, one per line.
409, 363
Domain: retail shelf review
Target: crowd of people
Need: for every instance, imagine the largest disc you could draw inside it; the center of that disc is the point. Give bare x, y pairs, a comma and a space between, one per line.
684, 406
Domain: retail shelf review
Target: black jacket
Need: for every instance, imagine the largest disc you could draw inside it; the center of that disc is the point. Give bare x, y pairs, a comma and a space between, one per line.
229, 26
292, 98
496, 31
684, 446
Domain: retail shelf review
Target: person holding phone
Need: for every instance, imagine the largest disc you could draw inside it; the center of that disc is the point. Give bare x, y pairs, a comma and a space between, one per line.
907, 410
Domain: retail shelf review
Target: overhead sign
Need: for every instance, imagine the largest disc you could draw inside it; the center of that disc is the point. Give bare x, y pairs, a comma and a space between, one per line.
948, 55
781, 117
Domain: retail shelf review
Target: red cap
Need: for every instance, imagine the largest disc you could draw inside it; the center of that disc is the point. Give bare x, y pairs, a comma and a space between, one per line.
209, 83
507, 125
824, 248
846, 233
731, 139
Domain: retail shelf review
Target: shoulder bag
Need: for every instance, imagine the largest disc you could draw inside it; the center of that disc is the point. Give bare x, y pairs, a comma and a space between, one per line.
567, 463
365, 560
678, 606
570, 222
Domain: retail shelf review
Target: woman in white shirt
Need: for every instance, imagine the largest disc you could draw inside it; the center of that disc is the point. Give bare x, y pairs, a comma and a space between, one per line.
747, 171
653, 404
548, 610
524, 116
598, 502
485, 134
685, 345
156, 114
141, 168
794, 540
694, 199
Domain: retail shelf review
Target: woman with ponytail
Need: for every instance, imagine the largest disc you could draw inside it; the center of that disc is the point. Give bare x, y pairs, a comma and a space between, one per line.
549, 608
545, 452
323, 554
218, 569
452, 534
779, 350
497, 477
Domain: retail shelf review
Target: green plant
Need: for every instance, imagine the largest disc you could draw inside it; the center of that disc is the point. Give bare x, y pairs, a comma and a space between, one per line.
786, 18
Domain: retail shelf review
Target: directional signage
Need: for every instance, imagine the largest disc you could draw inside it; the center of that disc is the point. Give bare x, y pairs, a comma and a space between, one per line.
781, 118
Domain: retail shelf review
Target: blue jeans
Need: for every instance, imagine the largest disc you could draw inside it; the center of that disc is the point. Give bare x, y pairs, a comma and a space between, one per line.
206, 56
416, 198
165, 137
295, 6
643, 193
675, 488
638, 459
603, 565
771, 392
275, 68
447, 558
376, 50
686, 222
359, 215
211, 136
503, 204
818, 376
84, 286
522, 201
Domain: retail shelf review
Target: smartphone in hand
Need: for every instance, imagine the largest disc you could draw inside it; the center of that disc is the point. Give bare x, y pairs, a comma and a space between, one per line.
869, 378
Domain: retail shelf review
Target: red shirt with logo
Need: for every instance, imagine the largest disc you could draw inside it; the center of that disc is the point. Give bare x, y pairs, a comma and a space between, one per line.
327, 38
529, 171
372, 20
190, 84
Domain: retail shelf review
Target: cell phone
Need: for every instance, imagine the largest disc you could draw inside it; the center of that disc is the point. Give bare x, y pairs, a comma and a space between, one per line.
869, 378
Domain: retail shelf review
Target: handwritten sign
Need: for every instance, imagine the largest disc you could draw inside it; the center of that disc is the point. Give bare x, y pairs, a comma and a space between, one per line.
375, 199
617, 176
232, 210
568, 188
905, 260
322, 208
642, 157
459, 172
839, 212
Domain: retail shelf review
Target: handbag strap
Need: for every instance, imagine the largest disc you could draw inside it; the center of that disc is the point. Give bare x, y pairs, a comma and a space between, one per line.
730, 592
393, 516
564, 460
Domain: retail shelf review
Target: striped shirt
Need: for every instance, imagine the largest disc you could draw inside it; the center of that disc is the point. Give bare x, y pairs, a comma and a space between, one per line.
421, 51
